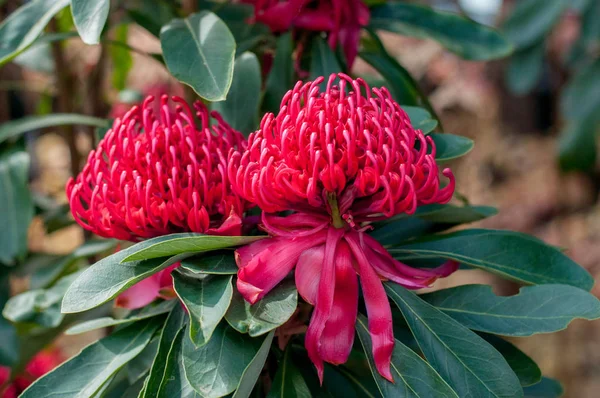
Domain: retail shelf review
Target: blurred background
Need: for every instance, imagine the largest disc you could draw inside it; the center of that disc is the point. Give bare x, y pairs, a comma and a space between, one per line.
533, 116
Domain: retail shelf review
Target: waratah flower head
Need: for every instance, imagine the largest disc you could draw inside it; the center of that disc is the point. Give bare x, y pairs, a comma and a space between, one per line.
350, 143
342, 20
338, 159
154, 175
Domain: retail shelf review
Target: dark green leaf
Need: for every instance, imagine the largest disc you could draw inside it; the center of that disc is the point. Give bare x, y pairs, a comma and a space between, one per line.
413, 377
531, 20
17, 127
39, 307
9, 349
199, 51
147, 312
150, 14
525, 68
270, 312
174, 382
139, 366
547, 388
122, 61
512, 255
428, 219
253, 371
536, 309
173, 326
420, 119
170, 245
461, 35
340, 382
288, 380
86, 372
581, 97
89, 18
24, 25
467, 362
323, 61
216, 368
577, 144
449, 146
281, 77
104, 280
206, 300
240, 109
17, 207
220, 262
524, 367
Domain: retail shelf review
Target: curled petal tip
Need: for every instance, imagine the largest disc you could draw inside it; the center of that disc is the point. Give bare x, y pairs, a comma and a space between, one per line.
250, 292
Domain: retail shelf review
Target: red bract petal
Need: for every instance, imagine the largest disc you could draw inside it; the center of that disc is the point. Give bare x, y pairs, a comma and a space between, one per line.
308, 273
338, 335
141, 294
324, 300
260, 271
378, 310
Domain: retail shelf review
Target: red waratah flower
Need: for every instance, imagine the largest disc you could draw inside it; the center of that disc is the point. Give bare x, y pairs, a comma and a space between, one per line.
41, 364
154, 175
340, 159
341, 19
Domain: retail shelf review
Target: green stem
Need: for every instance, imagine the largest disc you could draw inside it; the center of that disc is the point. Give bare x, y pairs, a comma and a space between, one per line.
336, 217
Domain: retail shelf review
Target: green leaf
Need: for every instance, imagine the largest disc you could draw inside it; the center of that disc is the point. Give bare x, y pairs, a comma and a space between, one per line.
426, 220
536, 309
220, 262
170, 245
9, 349
288, 380
39, 307
512, 255
16, 212
240, 109
524, 367
270, 312
199, 51
173, 326
24, 25
449, 146
323, 61
340, 382
206, 300
525, 68
581, 96
531, 20
413, 377
86, 372
577, 144
99, 323
461, 35
174, 382
216, 368
122, 60
467, 362
17, 127
104, 280
253, 371
420, 119
89, 18
547, 388
150, 14
281, 76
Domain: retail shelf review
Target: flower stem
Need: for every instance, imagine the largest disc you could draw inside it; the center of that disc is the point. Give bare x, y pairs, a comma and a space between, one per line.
336, 217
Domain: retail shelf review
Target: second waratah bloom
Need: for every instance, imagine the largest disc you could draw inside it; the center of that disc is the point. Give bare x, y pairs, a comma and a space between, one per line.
342, 20
339, 159
157, 174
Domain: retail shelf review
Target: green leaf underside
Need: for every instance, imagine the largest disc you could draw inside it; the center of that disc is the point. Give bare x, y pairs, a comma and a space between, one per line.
15, 128
512, 255
216, 368
85, 373
413, 377
536, 309
199, 51
450, 146
458, 34
253, 371
270, 312
420, 119
170, 245
100, 323
206, 300
105, 279
467, 362
220, 262
89, 18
